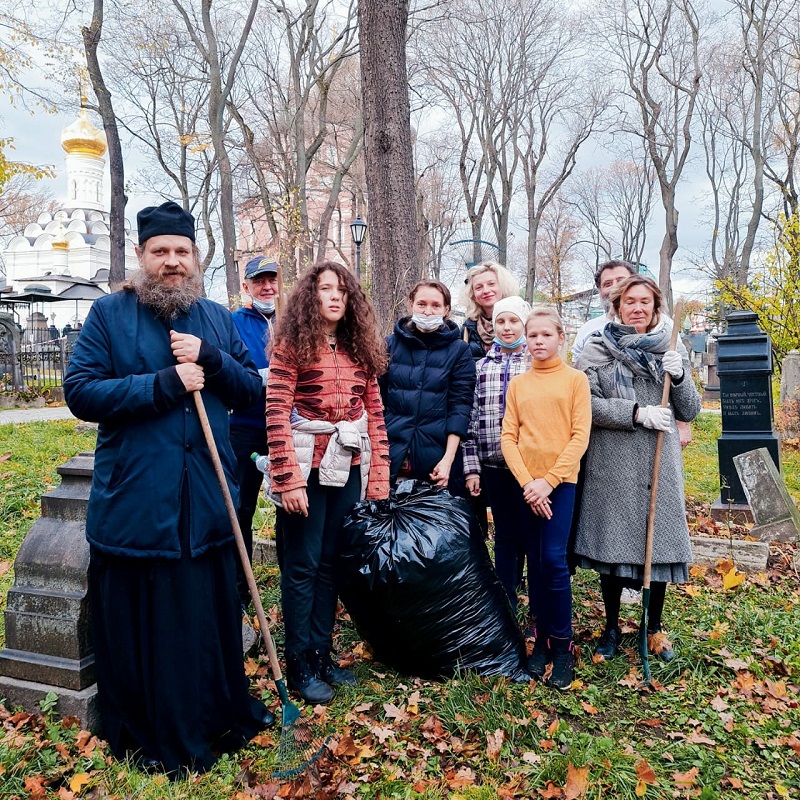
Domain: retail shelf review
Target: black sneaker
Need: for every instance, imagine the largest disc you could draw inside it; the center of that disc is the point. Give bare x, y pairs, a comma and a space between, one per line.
327, 670
540, 657
302, 679
563, 664
608, 644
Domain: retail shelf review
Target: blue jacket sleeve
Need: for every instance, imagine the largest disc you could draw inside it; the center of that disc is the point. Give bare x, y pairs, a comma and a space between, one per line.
92, 390
462, 388
236, 382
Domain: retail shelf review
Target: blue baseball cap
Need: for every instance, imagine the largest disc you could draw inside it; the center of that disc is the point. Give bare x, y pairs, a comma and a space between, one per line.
260, 265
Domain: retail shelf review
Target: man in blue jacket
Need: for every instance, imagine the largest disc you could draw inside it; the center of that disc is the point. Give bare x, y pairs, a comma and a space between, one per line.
165, 612
249, 426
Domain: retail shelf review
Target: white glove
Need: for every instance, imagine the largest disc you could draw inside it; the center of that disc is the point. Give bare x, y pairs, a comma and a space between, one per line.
657, 418
264, 373
673, 364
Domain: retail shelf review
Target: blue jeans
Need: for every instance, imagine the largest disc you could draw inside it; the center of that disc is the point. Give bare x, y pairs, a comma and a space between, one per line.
548, 571
512, 517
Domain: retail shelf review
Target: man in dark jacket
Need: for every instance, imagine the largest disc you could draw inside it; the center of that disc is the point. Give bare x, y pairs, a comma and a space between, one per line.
248, 426
162, 581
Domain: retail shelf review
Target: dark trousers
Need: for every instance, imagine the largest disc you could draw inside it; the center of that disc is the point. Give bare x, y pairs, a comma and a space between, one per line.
512, 518
308, 548
548, 571
246, 441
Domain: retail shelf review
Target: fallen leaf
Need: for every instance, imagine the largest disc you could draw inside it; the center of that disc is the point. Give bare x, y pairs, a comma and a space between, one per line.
685, 780
588, 708
697, 738
78, 782
736, 664
5, 566
65, 794
363, 707
5, 457
393, 712
577, 782
794, 743
644, 772
732, 579
657, 643
549, 791
494, 744
718, 704
547, 744
652, 723
34, 786
553, 727
461, 779
692, 590
531, 758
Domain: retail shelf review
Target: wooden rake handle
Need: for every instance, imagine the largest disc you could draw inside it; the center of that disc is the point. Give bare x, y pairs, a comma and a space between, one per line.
237, 533
651, 517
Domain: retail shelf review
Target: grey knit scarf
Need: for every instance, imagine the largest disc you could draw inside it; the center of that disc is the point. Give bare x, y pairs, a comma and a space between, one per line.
634, 355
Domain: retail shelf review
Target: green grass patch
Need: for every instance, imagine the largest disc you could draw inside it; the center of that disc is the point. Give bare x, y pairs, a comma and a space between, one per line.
724, 724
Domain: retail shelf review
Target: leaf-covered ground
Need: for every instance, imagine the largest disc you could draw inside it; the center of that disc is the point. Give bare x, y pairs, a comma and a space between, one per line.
722, 722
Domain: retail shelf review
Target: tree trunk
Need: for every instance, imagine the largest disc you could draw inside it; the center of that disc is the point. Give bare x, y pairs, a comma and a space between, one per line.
91, 40
389, 163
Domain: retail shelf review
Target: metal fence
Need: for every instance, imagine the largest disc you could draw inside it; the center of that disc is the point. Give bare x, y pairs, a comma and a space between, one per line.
34, 367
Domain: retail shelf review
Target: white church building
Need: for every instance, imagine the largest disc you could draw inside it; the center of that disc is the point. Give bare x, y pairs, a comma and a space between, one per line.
66, 254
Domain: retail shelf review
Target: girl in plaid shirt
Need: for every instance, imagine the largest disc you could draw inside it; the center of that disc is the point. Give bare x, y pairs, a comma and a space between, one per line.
484, 465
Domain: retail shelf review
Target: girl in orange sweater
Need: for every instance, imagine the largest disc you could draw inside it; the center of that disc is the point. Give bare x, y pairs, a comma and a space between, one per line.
545, 432
322, 387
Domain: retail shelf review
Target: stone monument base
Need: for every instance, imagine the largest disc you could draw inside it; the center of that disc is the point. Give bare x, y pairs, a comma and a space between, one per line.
736, 513
71, 703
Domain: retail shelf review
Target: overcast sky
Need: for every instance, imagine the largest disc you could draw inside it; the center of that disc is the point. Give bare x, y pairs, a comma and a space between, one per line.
37, 141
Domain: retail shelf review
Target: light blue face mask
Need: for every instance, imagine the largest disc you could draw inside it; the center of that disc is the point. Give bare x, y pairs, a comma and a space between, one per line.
511, 346
428, 322
264, 308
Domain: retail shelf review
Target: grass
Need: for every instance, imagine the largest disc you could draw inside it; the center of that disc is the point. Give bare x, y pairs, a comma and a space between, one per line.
724, 724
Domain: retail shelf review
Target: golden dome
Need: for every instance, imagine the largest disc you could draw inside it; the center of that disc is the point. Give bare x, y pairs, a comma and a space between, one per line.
83, 138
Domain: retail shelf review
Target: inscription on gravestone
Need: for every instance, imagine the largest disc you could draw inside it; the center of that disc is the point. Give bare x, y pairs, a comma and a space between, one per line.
744, 356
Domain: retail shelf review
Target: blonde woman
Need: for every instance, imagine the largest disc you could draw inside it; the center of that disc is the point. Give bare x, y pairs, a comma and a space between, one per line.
485, 284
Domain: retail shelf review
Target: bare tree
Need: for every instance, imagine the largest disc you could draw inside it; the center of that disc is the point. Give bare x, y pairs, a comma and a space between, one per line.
222, 60
656, 43
164, 91
439, 202
557, 122
91, 41
388, 154
301, 122
558, 236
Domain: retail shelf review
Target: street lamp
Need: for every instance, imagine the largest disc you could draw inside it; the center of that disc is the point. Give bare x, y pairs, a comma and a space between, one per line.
358, 228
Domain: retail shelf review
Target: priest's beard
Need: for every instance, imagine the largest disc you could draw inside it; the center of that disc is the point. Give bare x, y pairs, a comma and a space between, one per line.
167, 301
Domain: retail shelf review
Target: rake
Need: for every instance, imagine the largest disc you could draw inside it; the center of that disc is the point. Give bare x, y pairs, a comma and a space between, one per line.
300, 743
651, 517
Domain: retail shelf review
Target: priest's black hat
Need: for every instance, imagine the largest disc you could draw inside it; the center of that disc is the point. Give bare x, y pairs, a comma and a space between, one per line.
168, 219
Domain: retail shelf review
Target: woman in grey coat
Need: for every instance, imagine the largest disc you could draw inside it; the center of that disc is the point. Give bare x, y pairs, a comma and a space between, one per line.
625, 364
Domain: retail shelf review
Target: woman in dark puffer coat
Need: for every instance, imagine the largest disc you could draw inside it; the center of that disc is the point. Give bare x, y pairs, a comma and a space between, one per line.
427, 391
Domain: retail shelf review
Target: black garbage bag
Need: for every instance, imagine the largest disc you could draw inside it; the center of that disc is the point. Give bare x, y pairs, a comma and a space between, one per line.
418, 583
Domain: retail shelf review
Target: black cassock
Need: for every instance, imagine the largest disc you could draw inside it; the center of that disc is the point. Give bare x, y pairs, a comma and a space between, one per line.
168, 655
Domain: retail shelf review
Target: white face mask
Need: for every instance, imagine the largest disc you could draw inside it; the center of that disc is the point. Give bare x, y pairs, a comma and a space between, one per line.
264, 308
428, 322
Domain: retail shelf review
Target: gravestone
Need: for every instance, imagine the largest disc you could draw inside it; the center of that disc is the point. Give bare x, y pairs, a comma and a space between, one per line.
790, 375
711, 388
744, 356
776, 516
10, 374
48, 643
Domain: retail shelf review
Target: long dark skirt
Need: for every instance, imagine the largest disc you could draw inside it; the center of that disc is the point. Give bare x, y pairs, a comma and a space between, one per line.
168, 655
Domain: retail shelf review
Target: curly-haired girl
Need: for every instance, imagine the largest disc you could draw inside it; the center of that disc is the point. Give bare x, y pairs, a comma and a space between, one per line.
327, 449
